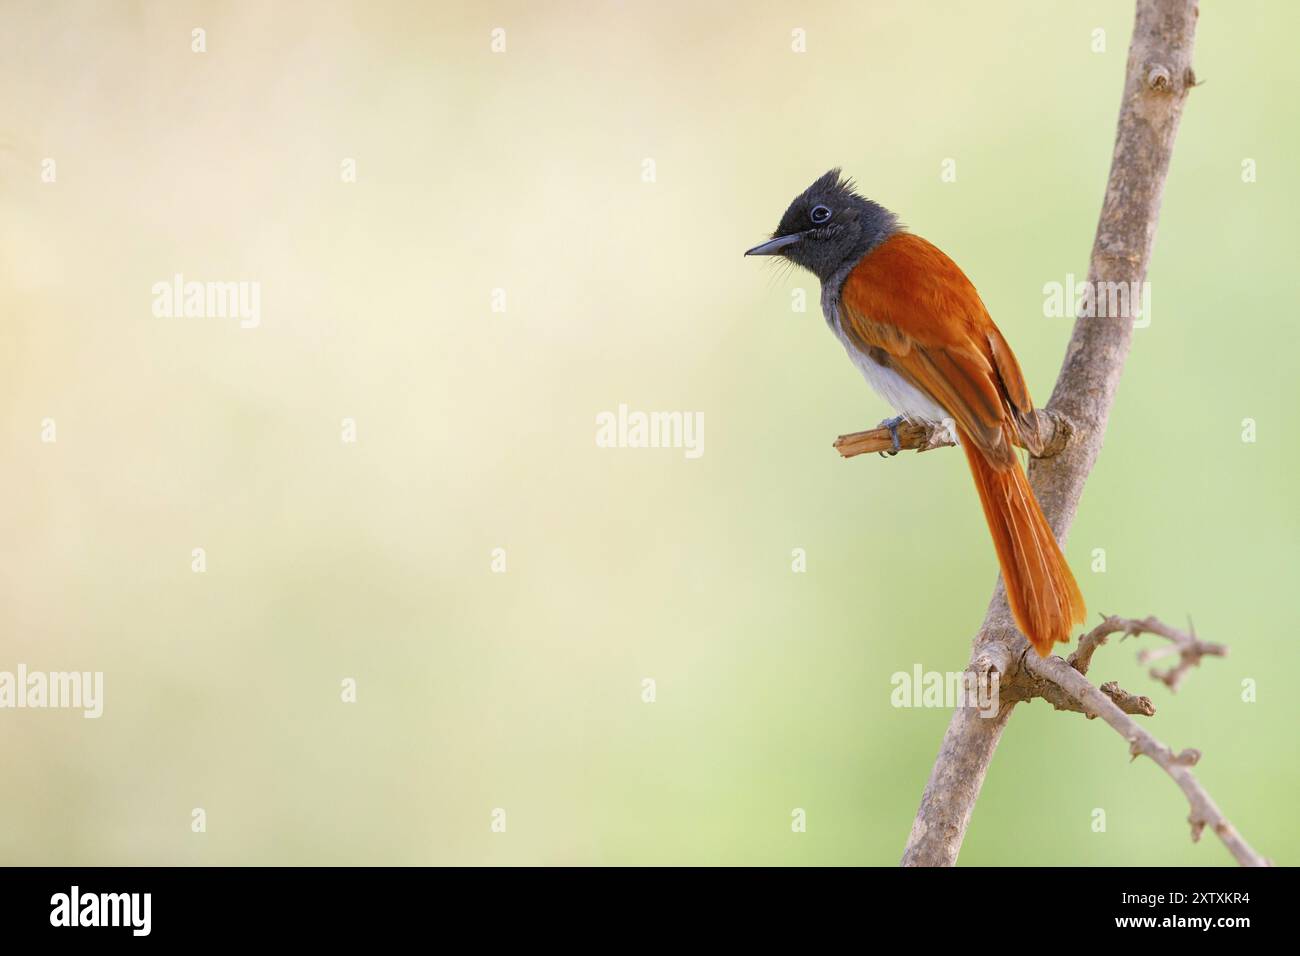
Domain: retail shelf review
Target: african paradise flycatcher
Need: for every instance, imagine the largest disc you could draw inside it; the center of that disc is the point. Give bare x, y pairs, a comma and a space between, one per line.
915, 327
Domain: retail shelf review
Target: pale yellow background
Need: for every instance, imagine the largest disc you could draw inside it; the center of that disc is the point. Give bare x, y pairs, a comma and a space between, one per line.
523, 171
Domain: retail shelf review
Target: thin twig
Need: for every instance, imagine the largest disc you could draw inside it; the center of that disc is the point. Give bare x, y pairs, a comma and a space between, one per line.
923, 437
1095, 703
1189, 648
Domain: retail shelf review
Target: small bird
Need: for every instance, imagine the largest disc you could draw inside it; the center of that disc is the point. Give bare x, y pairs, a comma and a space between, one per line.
915, 326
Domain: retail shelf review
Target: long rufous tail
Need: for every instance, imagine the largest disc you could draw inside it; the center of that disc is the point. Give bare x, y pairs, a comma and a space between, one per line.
1043, 595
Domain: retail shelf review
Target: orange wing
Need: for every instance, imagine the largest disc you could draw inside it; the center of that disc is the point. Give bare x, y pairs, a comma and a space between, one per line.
909, 306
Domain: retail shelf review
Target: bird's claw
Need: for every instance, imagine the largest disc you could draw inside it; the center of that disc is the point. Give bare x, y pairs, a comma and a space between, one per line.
892, 424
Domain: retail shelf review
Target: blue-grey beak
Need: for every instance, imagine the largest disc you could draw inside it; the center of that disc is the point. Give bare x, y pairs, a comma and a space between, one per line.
774, 246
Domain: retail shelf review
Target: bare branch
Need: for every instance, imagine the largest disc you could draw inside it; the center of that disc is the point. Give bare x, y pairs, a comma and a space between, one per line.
910, 436
1190, 650
1129, 703
1066, 688
1055, 428
1186, 645
1061, 699
1204, 812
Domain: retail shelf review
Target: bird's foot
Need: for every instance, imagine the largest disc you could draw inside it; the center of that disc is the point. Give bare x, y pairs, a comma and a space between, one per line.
892, 424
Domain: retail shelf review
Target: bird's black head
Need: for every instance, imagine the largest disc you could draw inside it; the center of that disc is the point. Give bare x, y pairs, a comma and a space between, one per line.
829, 228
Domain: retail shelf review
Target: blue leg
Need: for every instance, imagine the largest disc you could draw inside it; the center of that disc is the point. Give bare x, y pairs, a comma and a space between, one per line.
892, 424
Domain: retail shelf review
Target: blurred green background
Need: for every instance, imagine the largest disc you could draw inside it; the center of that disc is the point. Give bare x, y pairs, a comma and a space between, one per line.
523, 171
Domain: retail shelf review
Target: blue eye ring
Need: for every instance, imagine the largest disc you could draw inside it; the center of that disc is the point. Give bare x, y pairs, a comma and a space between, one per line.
820, 215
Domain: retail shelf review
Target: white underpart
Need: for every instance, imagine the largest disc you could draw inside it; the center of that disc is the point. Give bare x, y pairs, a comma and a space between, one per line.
902, 396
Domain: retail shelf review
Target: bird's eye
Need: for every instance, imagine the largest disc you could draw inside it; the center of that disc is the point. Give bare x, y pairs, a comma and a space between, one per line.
819, 215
